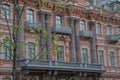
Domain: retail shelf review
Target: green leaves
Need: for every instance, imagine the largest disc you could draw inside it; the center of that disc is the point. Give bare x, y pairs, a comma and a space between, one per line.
61, 4
42, 1
56, 48
20, 27
44, 52
45, 32
34, 53
32, 30
62, 25
23, 17
55, 37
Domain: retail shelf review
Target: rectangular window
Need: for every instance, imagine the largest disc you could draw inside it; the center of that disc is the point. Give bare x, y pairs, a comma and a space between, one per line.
98, 28
58, 21
6, 50
31, 50
109, 30
5, 11
82, 25
101, 56
6, 78
30, 15
84, 55
91, 2
118, 30
112, 59
60, 53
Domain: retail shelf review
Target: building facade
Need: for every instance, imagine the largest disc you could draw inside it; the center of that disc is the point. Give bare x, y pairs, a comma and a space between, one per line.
85, 45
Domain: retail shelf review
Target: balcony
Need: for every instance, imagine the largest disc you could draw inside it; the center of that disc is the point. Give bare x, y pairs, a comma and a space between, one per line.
62, 30
68, 66
86, 34
32, 24
113, 38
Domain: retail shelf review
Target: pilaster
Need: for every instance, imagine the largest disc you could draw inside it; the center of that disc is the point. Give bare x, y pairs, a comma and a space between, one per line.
72, 41
77, 40
42, 41
93, 42
48, 37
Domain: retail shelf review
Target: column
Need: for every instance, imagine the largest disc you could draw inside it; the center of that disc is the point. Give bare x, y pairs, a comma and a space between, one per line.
77, 41
48, 37
42, 42
93, 43
72, 41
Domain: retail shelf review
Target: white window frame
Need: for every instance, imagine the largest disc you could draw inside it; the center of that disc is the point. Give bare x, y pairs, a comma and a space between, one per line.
98, 29
58, 21
31, 49
82, 25
112, 59
85, 55
109, 30
118, 30
101, 56
30, 15
63, 54
6, 11
6, 51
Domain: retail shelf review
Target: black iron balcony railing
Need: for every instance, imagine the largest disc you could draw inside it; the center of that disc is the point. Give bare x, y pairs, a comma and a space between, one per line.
62, 30
64, 65
32, 24
113, 37
88, 34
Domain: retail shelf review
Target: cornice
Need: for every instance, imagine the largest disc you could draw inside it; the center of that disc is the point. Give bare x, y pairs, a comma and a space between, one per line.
90, 14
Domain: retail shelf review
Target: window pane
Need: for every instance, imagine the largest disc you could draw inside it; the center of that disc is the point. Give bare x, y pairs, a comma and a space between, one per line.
6, 78
31, 50
98, 28
118, 30
30, 15
112, 59
91, 2
58, 21
6, 11
101, 57
84, 55
109, 30
6, 50
60, 53
82, 25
